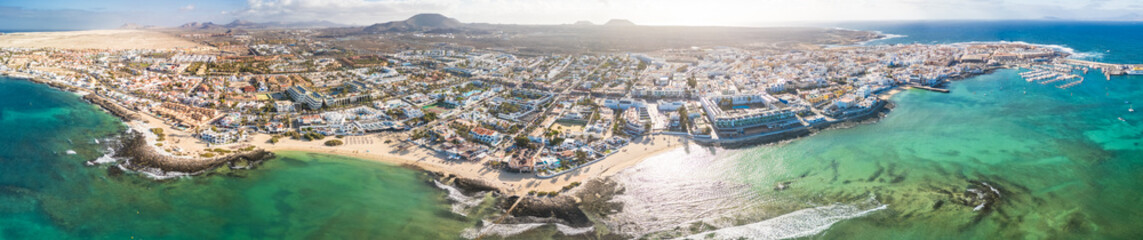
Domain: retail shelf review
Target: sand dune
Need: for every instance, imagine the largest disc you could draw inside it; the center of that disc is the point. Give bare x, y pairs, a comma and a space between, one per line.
97, 39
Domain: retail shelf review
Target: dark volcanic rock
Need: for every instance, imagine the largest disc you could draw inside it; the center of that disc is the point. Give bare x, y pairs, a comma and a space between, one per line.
981, 196
474, 185
561, 207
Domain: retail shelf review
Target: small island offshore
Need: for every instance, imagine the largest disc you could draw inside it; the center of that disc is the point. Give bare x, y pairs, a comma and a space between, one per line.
532, 113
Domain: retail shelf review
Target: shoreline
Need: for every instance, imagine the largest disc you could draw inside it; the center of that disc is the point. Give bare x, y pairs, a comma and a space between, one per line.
506, 182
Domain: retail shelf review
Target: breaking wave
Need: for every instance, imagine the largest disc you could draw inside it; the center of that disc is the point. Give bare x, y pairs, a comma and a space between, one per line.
1072, 53
801, 223
884, 36
461, 203
105, 159
505, 230
154, 173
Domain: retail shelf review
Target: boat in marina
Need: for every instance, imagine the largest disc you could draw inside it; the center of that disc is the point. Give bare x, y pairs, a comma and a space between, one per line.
1135, 71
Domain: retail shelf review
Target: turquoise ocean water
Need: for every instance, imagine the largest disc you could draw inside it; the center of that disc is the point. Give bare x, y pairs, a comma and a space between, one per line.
1063, 165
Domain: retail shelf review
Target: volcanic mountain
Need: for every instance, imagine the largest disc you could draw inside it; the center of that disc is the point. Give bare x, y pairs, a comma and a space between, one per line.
425, 22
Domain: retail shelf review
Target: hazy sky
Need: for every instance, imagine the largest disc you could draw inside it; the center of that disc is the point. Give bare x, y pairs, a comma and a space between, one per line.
87, 14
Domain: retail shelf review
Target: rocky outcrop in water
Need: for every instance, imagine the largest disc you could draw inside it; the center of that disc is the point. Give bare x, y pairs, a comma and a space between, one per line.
470, 186
980, 195
143, 157
563, 208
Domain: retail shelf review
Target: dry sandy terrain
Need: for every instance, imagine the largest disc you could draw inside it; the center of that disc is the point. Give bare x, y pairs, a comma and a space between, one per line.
96, 39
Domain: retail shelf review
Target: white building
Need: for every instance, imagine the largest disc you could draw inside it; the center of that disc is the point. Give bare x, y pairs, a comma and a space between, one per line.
284, 106
485, 135
223, 137
311, 99
623, 104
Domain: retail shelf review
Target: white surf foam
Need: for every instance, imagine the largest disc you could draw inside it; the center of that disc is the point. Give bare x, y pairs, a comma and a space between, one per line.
461, 203
801, 223
505, 230
884, 36
502, 230
155, 173
1070, 51
106, 158
569, 230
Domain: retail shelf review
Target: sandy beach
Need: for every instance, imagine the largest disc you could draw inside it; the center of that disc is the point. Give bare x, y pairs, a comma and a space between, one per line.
372, 147
98, 39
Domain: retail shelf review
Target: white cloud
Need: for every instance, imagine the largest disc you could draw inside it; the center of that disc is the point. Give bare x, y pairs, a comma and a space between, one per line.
188, 7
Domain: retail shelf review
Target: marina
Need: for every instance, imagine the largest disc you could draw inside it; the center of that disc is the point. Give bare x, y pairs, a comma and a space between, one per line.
1054, 73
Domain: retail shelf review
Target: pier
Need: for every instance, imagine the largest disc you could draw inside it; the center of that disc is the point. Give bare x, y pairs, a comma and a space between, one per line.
1107, 68
940, 90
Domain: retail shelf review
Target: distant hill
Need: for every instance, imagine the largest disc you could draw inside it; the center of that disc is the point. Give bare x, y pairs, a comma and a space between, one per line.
617, 36
425, 22
136, 26
619, 22
584, 23
1130, 17
1133, 17
201, 26
243, 24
